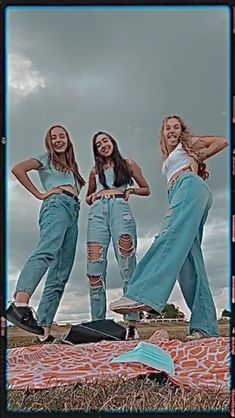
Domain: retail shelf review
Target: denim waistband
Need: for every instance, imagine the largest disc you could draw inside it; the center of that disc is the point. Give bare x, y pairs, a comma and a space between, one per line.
71, 195
177, 179
199, 180
110, 196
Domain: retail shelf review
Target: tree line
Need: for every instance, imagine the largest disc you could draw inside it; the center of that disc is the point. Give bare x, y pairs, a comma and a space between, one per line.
172, 311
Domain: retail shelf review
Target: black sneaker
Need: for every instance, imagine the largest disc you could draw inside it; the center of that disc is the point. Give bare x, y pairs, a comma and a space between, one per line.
132, 333
49, 340
22, 317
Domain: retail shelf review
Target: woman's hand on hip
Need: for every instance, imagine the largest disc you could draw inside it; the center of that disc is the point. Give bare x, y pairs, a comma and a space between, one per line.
127, 193
55, 190
91, 198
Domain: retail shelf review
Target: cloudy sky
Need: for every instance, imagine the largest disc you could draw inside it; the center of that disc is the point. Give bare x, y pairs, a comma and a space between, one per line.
121, 70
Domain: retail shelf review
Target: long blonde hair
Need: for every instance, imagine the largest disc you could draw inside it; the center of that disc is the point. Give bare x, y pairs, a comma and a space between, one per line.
70, 163
187, 144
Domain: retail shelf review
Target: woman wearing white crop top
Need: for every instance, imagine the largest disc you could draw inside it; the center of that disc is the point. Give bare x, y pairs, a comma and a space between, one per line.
176, 251
61, 181
110, 216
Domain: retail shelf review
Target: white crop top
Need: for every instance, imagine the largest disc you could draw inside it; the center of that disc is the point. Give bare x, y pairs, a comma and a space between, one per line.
175, 161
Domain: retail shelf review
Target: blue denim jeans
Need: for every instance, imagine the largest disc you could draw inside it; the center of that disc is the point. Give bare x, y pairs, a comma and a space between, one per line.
58, 221
110, 218
176, 254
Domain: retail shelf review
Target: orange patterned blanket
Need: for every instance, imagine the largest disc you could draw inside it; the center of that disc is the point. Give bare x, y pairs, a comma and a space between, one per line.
197, 363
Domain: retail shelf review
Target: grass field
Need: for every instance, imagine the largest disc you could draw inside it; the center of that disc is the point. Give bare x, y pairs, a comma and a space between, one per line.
135, 395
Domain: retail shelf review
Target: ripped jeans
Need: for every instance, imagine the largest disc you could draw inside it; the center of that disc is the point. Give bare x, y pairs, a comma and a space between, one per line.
109, 218
176, 253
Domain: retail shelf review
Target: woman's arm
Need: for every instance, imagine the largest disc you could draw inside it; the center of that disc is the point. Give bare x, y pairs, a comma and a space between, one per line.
136, 173
20, 171
91, 187
208, 146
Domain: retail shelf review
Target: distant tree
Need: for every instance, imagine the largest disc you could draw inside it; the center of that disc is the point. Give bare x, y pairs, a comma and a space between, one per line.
226, 313
153, 314
170, 311
179, 314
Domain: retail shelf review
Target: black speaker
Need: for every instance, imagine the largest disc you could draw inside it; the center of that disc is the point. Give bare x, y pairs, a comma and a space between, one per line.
95, 331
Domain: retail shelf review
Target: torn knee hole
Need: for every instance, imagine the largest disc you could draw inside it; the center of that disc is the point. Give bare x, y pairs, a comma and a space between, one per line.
94, 251
126, 245
95, 281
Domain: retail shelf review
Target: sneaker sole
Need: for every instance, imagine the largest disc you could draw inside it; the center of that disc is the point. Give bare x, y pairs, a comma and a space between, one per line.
124, 310
22, 326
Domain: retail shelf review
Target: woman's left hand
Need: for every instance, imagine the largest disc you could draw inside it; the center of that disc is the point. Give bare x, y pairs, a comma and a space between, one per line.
127, 193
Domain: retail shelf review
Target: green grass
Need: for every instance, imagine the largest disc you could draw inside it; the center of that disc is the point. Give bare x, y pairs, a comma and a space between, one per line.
119, 395
135, 395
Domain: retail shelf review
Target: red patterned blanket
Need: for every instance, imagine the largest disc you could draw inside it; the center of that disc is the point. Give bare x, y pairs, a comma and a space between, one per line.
197, 363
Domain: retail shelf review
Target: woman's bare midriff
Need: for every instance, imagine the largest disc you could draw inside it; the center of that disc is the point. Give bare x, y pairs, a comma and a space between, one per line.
177, 174
69, 188
108, 192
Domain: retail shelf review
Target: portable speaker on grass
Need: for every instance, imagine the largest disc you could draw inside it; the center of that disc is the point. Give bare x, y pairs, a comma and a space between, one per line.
95, 331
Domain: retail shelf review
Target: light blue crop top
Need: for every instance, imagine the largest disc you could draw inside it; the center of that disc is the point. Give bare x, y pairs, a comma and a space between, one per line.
109, 175
50, 177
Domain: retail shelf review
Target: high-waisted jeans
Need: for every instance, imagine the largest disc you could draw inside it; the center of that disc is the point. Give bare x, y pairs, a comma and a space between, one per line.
110, 218
176, 254
58, 221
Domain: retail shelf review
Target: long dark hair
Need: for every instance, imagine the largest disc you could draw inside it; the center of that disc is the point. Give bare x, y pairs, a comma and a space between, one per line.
70, 163
122, 172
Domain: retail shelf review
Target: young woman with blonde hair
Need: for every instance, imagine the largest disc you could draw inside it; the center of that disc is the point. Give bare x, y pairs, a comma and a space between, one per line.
58, 220
176, 251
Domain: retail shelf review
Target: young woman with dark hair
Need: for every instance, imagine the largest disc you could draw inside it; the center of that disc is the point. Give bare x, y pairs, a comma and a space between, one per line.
58, 220
110, 216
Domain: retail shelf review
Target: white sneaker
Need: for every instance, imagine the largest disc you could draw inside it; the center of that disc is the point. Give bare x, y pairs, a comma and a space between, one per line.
125, 305
196, 335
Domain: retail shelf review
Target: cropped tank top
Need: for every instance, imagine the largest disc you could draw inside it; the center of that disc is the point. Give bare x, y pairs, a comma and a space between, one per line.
109, 175
50, 177
175, 161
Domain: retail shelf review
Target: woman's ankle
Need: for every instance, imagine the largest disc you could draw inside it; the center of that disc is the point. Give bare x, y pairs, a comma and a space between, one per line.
22, 298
